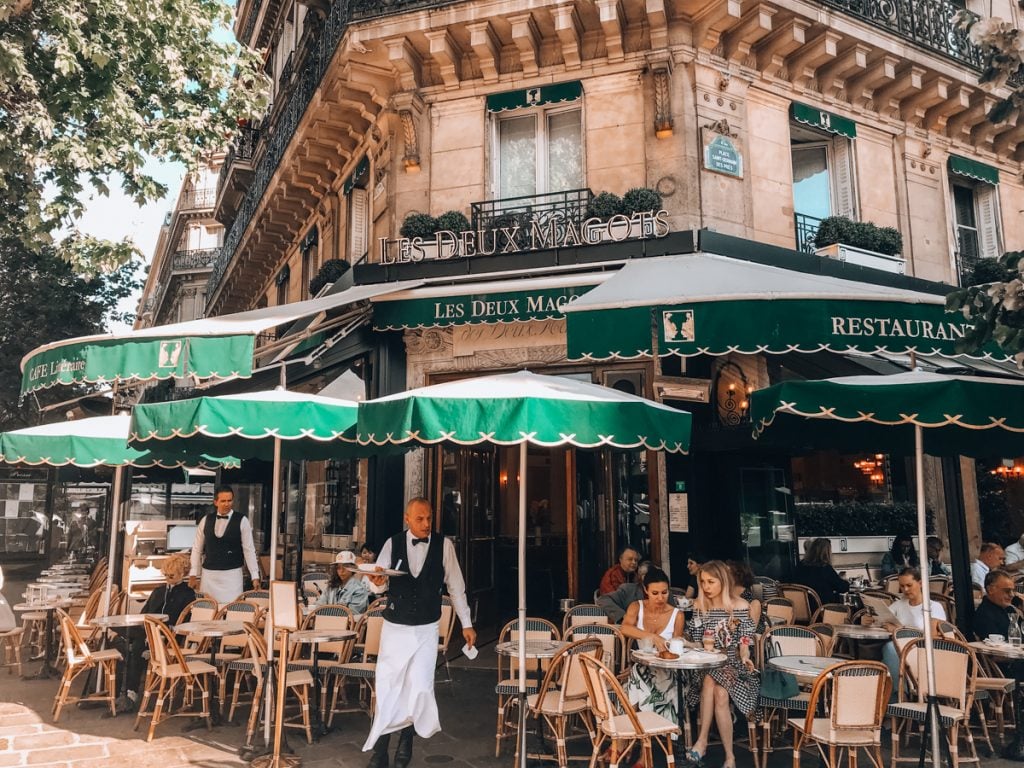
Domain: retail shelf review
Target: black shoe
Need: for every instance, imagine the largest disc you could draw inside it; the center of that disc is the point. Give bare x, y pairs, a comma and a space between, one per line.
403, 752
379, 758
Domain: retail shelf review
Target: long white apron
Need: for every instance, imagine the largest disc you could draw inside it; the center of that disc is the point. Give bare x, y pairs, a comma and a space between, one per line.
405, 681
222, 586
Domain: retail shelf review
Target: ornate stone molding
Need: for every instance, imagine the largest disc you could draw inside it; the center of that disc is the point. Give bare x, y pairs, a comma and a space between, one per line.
661, 71
409, 106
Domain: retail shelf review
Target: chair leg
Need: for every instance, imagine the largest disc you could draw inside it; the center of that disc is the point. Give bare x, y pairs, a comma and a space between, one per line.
111, 670
157, 709
257, 697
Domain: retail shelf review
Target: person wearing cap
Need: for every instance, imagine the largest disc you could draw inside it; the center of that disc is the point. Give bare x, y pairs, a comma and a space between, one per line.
344, 587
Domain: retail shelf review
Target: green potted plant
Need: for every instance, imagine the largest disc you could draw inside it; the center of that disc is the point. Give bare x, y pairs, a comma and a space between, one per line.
641, 200
604, 205
418, 225
860, 242
453, 221
328, 273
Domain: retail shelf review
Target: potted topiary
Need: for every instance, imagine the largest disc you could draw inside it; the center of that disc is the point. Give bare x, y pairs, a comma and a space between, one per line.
641, 200
328, 274
860, 242
418, 225
453, 221
604, 205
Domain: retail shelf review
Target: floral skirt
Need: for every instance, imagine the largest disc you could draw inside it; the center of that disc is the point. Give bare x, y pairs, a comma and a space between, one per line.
653, 690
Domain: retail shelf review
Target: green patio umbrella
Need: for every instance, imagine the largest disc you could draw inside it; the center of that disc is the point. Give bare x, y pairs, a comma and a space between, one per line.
101, 441
519, 409
268, 425
934, 413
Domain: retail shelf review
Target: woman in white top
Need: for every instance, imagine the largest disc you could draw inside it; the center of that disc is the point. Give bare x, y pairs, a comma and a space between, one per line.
909, 610
653, 620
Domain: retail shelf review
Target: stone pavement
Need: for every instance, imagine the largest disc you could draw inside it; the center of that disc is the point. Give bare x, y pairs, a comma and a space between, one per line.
86, 738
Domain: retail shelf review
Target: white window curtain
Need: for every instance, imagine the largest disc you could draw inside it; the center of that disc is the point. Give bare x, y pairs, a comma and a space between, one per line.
539, 152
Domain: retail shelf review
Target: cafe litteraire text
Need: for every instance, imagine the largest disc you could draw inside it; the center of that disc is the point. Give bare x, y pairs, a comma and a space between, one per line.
56, 368
554, 233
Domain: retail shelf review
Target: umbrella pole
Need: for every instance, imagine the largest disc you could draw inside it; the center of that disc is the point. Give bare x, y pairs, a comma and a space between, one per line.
115, 524
926, 606
274, 502
521, 640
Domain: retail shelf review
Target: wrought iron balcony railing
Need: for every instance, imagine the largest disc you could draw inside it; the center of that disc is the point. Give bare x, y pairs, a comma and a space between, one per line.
243, 150
567, 206
806, 229
198, 198
196, 258
929, 23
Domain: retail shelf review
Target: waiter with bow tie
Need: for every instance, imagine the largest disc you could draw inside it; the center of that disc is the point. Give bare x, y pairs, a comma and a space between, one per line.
409, 636
223, 545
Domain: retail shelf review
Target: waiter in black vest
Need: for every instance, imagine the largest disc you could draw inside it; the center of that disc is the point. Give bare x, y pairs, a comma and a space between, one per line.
408, 640
223, 545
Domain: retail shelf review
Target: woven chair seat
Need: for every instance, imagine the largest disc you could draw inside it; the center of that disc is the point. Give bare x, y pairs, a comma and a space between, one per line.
191, 668
511, 687
620, 726
108, 654
364, 669
918, 711
822, 731
33, 616
798, 702
13, 632
218, 658
569, 706
996, 684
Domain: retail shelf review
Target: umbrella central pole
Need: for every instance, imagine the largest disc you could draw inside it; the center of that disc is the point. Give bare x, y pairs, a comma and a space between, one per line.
521, 736
933, 731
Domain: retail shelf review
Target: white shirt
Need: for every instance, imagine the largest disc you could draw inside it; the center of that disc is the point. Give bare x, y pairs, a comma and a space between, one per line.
913, 615
1014, 553
978, 571
219, 526
417, 554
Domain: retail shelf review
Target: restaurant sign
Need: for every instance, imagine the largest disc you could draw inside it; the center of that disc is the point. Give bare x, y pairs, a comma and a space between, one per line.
101, 360
751, 326
532, 234
474, 309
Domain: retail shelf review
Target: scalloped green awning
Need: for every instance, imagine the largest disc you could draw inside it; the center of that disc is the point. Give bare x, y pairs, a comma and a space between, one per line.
212, 348
535, 97
695, 304
959, 415
972, 169
823, 120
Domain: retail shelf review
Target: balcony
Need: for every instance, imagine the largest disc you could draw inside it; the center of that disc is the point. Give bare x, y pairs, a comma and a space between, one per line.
194, 260
197, 199
236, 173
568, 206
806, 229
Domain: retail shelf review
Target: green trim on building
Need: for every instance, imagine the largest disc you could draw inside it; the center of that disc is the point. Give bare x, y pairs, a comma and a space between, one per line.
535, 97
362, 169
972, 169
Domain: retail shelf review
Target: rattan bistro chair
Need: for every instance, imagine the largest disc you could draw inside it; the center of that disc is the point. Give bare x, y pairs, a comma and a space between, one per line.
855, 694
507, 687
79, 658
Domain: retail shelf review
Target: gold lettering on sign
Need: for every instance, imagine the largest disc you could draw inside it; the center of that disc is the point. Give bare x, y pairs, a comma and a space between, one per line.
470, 339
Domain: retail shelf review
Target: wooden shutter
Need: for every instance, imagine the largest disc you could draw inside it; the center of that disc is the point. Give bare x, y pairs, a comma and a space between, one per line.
987, 197
845, 178
358, 222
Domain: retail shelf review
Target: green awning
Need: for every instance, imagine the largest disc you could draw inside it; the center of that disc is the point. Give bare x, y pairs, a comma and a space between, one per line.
358, 176
972, 169
701, 303
823, 120
485, 303
535, 97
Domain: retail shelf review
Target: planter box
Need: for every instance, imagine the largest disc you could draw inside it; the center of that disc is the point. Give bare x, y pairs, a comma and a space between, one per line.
863, 257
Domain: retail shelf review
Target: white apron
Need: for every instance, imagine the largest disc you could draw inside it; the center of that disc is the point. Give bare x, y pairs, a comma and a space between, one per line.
222, 586
405, 681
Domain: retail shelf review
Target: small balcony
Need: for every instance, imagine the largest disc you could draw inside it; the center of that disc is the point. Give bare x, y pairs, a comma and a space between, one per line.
194, 260
236, 173
561, 207
198, 199
806, 229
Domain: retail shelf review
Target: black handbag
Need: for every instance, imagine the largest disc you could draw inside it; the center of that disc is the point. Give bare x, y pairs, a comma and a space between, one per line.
776, 684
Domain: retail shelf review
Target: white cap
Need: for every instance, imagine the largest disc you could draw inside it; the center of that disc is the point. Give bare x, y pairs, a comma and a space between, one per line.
345, 558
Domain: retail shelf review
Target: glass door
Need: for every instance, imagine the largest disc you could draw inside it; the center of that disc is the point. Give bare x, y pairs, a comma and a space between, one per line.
766, 521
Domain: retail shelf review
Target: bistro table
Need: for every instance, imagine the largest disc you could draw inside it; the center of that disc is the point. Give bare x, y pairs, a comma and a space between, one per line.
538, 649
215, 630
804, 668
49, 606
314, 637
690, 659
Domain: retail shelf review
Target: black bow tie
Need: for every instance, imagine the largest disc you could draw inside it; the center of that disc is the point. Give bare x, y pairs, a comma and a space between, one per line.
421, 541
224, 517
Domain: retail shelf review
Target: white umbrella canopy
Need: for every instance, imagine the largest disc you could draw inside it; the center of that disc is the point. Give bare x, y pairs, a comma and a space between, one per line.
522, 408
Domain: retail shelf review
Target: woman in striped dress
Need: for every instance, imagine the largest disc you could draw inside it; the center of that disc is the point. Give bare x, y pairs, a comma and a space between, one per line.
721, 619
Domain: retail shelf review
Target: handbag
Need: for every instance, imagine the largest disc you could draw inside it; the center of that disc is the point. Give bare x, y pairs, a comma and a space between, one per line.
776, 684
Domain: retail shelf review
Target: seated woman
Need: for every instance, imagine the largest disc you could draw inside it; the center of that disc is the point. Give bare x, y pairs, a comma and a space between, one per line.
344, 587
901, 555
170, 598
909, 611
692, 570
721, 620
816, 571
655, 620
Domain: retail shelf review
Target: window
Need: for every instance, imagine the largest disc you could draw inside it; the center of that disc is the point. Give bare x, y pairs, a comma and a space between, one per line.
823, 181
539, 151
976, 224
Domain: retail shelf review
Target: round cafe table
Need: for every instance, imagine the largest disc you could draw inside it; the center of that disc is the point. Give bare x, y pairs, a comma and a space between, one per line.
215, 630
805, 668
860, 632
49, 606
314, 637
690, 659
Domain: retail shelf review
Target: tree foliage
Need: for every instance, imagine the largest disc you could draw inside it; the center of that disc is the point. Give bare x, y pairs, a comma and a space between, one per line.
993, 304
91, 89
43, 300
1002, 51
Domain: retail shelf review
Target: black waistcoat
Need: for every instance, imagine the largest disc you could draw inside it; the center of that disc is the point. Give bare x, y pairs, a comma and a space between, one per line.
415, 600
224, 553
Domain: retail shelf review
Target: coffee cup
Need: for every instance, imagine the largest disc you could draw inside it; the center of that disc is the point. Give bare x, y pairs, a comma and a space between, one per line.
996, 639
645, 644
677, 645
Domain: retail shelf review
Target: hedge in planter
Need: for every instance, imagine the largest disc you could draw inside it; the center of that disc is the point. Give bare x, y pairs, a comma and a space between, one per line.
329, 272
857, 518
859, 234
640, 200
